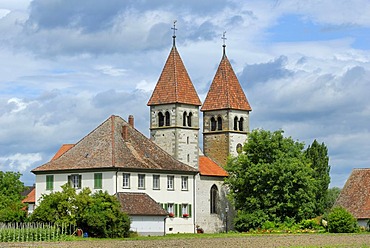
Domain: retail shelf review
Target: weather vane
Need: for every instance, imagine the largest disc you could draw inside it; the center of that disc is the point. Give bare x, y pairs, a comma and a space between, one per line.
174, 31
224, 38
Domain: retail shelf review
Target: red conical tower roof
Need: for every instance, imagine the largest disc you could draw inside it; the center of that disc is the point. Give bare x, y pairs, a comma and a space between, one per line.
174, 85
225, 91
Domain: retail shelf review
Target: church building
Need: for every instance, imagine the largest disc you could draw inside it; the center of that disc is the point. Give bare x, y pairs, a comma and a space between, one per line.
165, 183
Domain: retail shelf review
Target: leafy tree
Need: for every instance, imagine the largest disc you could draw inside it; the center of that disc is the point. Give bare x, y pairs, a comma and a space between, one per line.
99, 214
11, 200
60, 207
318, 155
332, 196
103, 217
341, 221
271, 176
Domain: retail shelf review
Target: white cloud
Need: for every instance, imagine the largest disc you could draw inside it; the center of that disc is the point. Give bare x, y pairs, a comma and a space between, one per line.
19, 162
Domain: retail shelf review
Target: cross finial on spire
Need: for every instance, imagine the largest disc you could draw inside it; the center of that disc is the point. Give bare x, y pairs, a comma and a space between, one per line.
224, 41
174, 31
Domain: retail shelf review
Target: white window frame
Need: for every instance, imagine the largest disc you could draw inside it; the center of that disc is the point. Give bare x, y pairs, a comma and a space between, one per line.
170, 182
126, 181
156, 181
184, 182
171, 208
141, 181
75, 181
185, 209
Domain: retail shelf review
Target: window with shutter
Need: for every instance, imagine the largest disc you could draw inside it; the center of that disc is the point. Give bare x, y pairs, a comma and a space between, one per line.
98, 177
49, 182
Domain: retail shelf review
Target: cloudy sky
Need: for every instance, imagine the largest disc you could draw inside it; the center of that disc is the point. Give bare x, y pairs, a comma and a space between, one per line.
66, 66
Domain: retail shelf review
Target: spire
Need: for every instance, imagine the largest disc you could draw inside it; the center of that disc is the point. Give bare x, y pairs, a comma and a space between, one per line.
174, 33
174, 85
225, 91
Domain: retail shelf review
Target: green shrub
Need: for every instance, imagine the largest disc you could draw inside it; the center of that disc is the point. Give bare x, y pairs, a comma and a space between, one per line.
341, 221
244, 222
310, 224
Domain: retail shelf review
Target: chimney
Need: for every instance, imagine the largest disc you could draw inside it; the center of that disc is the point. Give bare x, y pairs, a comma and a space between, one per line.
125, 133
131, 120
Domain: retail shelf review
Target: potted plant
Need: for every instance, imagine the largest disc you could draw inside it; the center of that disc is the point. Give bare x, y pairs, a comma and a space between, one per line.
185, 215
171, 215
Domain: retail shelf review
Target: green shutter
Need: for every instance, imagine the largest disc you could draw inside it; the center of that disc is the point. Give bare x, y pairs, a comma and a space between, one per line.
189, 210
49, 182
98, 180
180, 210
69, 180
165, 207
176, 210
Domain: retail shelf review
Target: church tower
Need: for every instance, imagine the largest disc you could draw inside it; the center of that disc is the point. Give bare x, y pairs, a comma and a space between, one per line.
225, 114
174, 111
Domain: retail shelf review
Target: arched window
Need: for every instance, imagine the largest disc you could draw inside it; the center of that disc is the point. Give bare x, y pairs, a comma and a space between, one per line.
236, 123
160, 119
184, 119
187, 140
189, 119
219, 123
214, 199
241, 124
213, 124
167, 118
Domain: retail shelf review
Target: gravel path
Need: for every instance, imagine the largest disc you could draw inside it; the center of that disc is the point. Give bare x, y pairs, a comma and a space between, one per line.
318, 240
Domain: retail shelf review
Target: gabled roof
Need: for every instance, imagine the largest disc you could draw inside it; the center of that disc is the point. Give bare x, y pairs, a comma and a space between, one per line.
225, 91
30, 198
139, 204
115, 144
174, 85
355, 195
62, 150
207, 167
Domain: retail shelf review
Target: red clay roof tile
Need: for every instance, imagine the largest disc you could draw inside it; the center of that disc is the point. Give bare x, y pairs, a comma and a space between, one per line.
207, 167
30, 198
225, 91
174, 85
355, 194
62, 150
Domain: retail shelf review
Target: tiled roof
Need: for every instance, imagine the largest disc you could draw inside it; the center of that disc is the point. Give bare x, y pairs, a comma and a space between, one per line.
174, 84
30, 198
225, 91
62, 150
355, 195
207, 167
115, 144
139, 204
